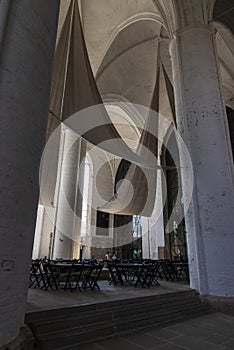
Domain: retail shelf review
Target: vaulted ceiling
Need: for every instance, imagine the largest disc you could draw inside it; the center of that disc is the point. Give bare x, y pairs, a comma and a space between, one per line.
127, 40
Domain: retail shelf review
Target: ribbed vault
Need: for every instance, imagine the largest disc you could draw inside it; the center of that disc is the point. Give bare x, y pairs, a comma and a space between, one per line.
127, 43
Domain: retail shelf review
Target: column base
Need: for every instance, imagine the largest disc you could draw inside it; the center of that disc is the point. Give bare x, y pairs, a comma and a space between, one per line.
222, 304
24, 341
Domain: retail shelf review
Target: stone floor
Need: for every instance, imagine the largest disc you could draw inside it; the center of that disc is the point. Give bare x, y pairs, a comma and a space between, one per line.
39, 300
214, 331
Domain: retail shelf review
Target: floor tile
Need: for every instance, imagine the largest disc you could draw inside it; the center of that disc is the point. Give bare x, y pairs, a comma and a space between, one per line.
225, 330
145, 340
90, 346
194, 343
217, 339
119, 344
196, 331
170, 347
163, 333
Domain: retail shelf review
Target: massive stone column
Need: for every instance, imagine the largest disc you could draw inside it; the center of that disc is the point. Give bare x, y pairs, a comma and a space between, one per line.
27, 47
153, 228
202, 122
80, 197
69, 205
157, 223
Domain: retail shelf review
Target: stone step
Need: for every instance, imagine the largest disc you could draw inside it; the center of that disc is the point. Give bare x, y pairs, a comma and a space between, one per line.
91, 332
159, 322
48, 325
102, 331
66, 312
118, 320
107, 316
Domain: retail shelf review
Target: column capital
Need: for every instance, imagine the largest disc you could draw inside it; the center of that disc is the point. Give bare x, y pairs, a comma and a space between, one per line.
185, 13
194, 30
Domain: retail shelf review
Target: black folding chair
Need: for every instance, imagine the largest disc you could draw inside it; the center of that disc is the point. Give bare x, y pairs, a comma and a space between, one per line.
91, 276
35, 278
73, 277
182, 271
50, 278
113, 276
167, 270
152, 274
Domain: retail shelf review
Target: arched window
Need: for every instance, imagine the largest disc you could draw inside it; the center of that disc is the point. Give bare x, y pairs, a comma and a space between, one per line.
137, 236
136, 226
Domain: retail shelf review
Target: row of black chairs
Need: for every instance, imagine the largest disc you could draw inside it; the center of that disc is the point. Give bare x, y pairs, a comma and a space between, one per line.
135, 274
147, 272
173, 270
73, 275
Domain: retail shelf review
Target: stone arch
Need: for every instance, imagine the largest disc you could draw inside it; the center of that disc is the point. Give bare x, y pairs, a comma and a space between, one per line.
144, 16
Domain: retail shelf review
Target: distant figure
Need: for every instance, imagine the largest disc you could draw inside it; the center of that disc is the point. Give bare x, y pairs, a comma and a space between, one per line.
114, 257
107, 256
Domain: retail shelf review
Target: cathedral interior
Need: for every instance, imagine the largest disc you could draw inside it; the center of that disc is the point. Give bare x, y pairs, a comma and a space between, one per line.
117, 136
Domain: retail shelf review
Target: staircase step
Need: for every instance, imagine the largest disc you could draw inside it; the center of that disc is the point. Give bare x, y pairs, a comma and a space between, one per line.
159, 323
69, 327
66, 312
107, 317
105, 329
45, 326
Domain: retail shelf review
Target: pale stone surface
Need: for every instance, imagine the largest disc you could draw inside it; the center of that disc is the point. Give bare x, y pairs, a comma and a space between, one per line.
26, 58
202, 123
103, 22
68, 217
153, 227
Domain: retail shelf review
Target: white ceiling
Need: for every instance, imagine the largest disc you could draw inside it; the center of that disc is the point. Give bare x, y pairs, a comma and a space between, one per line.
125, 40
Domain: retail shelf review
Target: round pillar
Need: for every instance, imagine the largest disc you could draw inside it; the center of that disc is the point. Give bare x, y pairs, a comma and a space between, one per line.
202, 122
27, 47
68, 209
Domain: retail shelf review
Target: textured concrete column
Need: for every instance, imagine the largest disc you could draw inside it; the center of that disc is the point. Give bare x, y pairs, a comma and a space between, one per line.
65, 234
157, 223
146, 247
79, 202
153, 227
202, 122
25, 74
